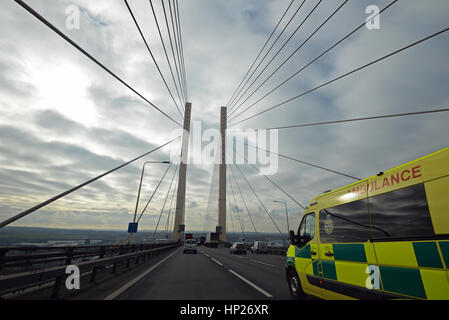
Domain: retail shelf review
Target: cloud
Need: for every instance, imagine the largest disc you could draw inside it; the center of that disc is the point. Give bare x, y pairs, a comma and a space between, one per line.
64, 120
57, 123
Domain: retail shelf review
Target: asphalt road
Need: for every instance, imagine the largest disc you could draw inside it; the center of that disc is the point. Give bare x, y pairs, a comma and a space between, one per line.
211, 274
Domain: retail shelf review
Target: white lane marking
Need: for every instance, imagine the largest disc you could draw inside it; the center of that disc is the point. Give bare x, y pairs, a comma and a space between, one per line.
204, 253
216, 261
251, 284
266, 264
116, 293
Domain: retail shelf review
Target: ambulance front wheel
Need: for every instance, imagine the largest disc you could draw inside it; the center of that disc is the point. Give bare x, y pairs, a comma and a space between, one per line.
294, 285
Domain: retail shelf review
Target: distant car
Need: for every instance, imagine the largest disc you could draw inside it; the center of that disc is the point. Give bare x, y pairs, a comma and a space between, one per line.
237, 248
190, 246
259, 247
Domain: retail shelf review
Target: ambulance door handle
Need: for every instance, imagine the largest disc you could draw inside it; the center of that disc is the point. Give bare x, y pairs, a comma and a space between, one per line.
313, 253
329, 254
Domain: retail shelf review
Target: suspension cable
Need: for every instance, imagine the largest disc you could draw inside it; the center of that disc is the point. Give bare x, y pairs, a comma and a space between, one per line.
165, 201
345, 75
260, 52
351, 120
155, 190
166, 54
244, 202
306, 163
175, 38
173, 51
274, 183
292, 54
260, 201
152, 56
74, 44
181, 47
277, 53
266, 54
318, 57
237, 208
230, 212
45, 203
167, 225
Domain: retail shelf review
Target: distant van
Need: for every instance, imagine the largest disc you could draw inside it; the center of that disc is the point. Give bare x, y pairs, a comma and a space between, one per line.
384, 237
259, 247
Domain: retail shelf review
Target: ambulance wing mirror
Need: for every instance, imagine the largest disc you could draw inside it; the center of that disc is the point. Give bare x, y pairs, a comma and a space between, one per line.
305, 239
292, 237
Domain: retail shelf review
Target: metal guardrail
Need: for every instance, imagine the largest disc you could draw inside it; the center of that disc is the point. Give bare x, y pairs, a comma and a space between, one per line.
118, 254
20, 259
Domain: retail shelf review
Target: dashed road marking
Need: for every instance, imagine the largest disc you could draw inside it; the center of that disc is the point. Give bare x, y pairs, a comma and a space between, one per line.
217, 262
251, 284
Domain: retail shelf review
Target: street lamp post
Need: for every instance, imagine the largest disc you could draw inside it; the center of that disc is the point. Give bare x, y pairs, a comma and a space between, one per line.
286, 213
131, 233
140, 185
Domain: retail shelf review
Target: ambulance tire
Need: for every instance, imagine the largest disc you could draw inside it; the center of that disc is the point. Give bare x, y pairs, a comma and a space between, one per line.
294, 285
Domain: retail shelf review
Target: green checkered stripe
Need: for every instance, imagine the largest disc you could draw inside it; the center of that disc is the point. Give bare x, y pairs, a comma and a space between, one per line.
408, 281
405, 281
342, 252
290, 261
304, 252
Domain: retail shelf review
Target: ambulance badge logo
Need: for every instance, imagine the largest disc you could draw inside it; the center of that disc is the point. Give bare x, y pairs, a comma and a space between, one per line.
329, 225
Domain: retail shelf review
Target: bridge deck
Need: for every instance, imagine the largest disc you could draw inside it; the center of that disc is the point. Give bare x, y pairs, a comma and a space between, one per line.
199, 277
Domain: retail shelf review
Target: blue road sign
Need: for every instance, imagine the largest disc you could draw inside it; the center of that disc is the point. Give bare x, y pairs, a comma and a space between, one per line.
132, 228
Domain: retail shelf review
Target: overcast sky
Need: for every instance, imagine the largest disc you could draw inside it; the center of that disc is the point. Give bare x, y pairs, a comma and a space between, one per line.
63, 120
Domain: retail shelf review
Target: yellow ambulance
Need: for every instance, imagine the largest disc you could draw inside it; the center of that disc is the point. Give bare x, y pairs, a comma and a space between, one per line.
384, 237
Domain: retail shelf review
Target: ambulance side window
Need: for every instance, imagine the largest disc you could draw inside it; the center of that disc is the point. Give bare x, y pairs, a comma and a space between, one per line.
302, 227
307, 228
349, 222
403, 213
